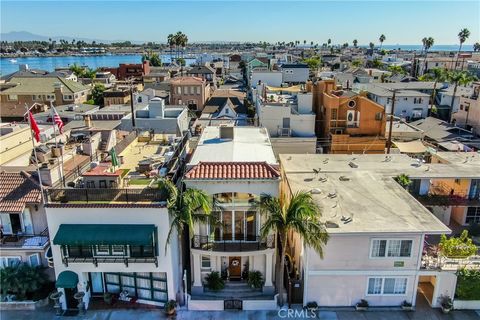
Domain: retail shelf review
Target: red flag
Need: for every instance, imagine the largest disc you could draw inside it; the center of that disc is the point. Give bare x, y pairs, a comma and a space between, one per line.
57, 120
34, 126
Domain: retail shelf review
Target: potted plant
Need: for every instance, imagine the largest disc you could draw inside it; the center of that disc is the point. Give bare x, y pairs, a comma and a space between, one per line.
214, 281
362, 305
407, 306
170, 307
108, 298
446, 303
312, 306
255, 279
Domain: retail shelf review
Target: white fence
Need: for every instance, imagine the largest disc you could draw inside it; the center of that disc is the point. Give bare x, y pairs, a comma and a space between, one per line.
466, 304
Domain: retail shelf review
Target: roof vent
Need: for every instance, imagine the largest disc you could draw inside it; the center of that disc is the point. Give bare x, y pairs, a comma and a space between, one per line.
315, 191
331, 224
353, 164
226, 132
344, 178
332, 195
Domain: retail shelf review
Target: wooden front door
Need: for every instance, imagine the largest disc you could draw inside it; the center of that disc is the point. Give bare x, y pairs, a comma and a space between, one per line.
235, 268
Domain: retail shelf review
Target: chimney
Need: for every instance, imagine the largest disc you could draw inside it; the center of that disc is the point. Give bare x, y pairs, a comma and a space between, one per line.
88, 121
58, 90
156, 108
226, 132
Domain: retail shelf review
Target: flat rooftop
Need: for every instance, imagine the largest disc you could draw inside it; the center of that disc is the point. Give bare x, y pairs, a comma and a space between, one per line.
249, 144
359, 200
391, 165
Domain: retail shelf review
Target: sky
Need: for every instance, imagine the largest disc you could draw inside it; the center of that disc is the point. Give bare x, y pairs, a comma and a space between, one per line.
402, 22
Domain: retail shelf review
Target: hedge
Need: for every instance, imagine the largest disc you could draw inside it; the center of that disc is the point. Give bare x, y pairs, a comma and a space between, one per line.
468, 284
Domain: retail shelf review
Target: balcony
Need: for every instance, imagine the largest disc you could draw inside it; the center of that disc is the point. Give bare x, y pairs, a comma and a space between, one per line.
438, 262
104, 195
20, 241
226, 244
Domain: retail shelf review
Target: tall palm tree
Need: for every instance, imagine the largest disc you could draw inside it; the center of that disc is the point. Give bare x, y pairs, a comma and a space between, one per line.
459, 77
381, 39
476, 46
427, 45
186, 209
329, 41
355, 42
300, 215
171, 43
437, 75
462, 37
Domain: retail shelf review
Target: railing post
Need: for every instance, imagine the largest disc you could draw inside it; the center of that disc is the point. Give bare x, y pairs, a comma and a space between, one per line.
126, 194
86, 194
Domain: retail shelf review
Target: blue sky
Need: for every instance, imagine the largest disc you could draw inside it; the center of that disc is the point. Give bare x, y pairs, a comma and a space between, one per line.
403, 22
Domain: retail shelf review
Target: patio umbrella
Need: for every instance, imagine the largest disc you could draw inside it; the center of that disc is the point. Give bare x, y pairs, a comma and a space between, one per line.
113, 156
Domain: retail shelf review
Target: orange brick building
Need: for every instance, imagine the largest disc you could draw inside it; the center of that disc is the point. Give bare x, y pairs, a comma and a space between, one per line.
347, 122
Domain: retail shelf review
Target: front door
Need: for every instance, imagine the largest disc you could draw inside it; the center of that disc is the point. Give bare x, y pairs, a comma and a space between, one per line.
72, 303
235, 268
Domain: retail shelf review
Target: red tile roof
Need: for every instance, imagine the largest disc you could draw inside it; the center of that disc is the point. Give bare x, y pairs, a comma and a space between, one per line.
186, 80
16, 190
102, 171
233, 170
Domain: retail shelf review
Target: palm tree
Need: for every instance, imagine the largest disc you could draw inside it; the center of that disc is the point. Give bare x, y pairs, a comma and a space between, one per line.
462, 37
381, 39
355, 42
186, 209
476, 46
427, 44
329, 41
371, 45
300, 215
171, 43
437, 75
460, 77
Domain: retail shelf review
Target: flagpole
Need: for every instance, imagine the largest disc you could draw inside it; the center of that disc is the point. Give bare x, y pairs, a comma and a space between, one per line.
60, 164
35, 152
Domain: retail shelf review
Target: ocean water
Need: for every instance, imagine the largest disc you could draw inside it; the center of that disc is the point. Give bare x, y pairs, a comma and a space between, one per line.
50, 63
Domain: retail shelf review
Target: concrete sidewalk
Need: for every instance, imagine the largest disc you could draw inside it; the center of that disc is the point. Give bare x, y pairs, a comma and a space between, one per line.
432, 314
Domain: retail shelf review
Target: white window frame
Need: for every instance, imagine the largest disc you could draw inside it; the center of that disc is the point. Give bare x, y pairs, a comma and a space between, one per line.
209, 261
12, 97
118, 253
386, 256
38, 260
383, 287
4, 260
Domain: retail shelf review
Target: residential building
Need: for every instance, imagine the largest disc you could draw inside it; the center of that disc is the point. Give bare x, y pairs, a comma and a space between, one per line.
234, 165
16, 144
347, 122
260, 63
409, 104
270, 78
99, 245
190, 91
105, 78
24, 234
117, 95
468, 114
158, 118
377, 232
226, 106
40, 91
128, 71
295, 73
204, 72
445, 97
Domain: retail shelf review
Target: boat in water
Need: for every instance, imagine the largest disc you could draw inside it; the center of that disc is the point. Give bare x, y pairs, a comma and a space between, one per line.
12, 60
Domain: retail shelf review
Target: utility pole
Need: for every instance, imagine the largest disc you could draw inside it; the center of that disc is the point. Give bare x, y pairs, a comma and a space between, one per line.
392, 113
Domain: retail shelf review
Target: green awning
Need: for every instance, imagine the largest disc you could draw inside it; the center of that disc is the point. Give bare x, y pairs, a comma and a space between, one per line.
106, 234
67, 279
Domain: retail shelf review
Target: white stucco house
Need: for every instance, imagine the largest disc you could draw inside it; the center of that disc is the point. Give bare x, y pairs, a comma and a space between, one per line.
377, 232
295, 73
235, 165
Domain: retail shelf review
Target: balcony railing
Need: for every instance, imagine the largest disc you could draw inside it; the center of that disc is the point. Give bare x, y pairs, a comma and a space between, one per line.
97, 260
99, 195
229, 244
447, 200
21, 241
443, 263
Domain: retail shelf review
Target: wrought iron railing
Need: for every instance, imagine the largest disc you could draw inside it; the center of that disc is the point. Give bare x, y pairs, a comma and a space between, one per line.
230, 244
100, 195
26, 241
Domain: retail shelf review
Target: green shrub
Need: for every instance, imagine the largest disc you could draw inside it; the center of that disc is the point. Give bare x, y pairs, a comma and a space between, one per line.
457, 247
215, 281
468, 284
474, 229
21, 280
255, 279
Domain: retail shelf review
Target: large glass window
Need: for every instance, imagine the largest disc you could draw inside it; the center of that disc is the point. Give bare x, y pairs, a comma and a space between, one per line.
473, 215
391, 248
391, 286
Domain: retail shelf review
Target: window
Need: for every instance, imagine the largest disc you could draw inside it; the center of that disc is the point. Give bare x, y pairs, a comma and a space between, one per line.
9, 261
391, 248
179, 90
102, 250
415, 100
12, 97
50, 97
391, 286
461, 107
473, 215
37, 97
198, 89
378, 116
206, 262
34, 260
334, 114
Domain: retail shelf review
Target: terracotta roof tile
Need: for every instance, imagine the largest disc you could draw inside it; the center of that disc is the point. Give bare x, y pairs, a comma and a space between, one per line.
233, 170
16, 190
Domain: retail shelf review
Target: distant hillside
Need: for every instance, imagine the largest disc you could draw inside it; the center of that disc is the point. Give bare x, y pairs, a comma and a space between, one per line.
28, 36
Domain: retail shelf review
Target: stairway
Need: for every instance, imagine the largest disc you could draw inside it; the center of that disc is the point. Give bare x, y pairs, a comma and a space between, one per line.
233, 290
103, 145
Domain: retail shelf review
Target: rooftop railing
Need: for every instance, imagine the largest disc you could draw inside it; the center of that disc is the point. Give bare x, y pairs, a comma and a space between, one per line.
229, 244
98, 195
